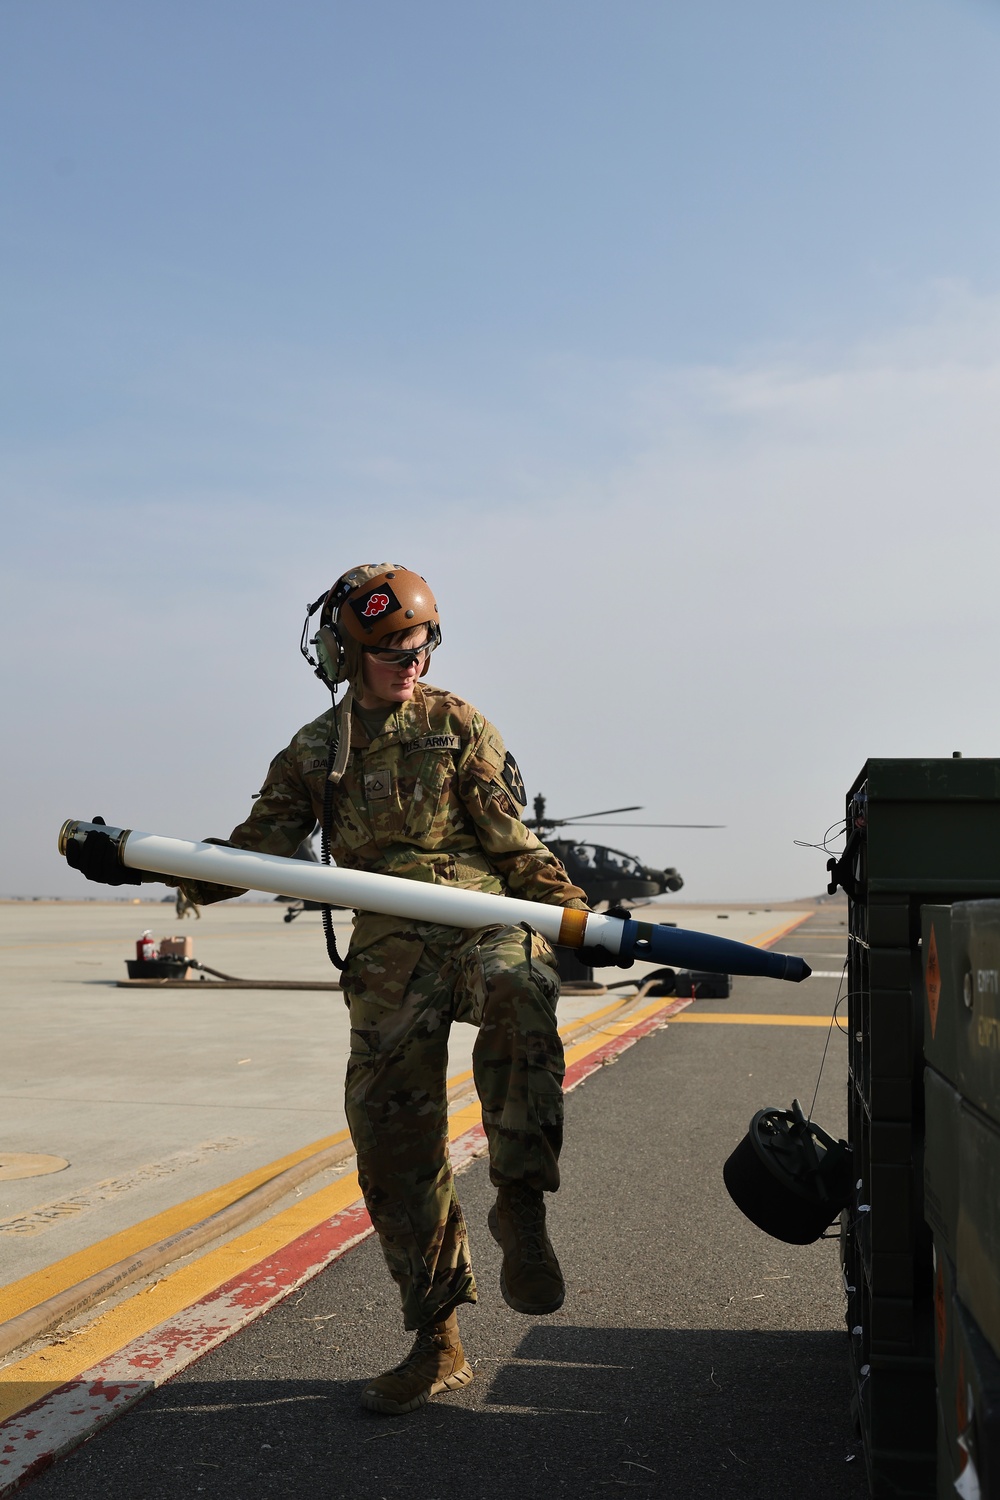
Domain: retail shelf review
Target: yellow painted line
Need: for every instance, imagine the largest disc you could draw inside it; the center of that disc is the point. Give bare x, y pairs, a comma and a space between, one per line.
767, 938
28, 1379
242, 932
594, 1016
725, 1018
613, 1029
40, 1285
20, 1295
31, 1377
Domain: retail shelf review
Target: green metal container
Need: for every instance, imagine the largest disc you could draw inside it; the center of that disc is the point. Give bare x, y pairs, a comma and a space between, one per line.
977, 1250
945, 1369
933, 827
976, 938
945, 1483
942, 1124
974, 1457
919, 833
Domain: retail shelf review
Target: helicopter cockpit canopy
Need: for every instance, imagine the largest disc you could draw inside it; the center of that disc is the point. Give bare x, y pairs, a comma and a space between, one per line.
615, 862
587, 855
607, 862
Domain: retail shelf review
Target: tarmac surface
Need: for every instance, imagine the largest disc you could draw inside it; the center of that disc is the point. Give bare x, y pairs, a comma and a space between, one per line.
693, 1357
155, 1095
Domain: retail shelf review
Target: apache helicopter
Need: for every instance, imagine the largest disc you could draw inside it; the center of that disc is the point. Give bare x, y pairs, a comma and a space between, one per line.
606, 874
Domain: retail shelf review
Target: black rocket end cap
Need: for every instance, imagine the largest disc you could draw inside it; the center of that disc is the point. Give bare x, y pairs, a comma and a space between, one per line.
796, 969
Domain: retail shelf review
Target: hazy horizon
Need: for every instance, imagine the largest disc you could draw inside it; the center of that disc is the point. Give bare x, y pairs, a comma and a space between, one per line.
665, 341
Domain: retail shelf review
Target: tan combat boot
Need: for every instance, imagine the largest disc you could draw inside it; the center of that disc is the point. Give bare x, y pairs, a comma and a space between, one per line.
530, 1279
435, 1363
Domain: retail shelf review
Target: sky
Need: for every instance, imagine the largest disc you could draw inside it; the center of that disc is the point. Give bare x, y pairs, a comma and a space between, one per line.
663, 339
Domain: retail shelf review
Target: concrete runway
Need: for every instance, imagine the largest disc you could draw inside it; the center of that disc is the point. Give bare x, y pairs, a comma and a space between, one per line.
154, 1096
694, 1356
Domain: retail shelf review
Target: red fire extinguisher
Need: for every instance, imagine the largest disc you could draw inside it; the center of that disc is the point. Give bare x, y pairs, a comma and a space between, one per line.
145, 948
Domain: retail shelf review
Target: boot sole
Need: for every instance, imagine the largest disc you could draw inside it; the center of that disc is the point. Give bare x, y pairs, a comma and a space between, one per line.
373, 1401
530, 1309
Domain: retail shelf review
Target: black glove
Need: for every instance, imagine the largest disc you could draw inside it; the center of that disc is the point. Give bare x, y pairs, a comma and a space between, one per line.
597, 957
96, 856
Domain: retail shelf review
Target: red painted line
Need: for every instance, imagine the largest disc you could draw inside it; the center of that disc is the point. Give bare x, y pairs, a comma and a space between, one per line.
62, 1419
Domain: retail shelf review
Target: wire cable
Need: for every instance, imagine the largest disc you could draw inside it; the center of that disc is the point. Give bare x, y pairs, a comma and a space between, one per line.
829, 1034
326, 912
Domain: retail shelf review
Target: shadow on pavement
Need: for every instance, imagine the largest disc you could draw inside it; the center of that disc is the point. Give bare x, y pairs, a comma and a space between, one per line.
686, 1413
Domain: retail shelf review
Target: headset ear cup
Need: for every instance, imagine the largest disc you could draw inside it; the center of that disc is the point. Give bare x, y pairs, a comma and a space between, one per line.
331, 654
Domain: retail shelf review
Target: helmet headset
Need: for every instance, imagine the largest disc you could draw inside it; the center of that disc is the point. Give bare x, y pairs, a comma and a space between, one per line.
364, 607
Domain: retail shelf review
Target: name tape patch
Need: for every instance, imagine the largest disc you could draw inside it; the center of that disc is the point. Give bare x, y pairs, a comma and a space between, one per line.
433, 742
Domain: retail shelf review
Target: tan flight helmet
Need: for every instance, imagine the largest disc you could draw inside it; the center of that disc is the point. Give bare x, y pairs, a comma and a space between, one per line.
367, 604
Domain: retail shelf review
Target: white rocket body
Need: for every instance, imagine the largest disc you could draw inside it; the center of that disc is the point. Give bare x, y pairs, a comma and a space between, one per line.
421, 901
416, 900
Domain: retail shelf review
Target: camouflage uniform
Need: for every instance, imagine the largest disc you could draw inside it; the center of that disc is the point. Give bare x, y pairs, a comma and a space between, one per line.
435, 797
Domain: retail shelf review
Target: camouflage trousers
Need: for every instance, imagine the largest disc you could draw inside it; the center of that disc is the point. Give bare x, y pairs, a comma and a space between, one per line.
404, 991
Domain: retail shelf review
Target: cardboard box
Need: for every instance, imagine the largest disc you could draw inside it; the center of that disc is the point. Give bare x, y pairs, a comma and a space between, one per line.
177, 947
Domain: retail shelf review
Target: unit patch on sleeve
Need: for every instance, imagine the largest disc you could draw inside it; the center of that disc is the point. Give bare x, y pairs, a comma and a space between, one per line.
512, 780
433, 742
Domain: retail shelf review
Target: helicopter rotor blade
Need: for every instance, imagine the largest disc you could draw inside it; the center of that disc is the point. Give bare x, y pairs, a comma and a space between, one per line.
647, 825
606, 812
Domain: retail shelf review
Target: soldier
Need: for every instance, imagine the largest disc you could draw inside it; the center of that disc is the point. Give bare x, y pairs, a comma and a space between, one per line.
407, 779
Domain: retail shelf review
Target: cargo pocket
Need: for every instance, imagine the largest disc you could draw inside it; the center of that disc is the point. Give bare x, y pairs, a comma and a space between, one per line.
379, 976
375, 982
545, 1070
543, 1053
362, 1066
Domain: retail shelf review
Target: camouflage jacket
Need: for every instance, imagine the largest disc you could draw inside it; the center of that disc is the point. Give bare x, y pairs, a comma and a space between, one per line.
434, 796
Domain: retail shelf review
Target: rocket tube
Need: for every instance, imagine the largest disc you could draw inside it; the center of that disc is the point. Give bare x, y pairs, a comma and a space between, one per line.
422, 901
